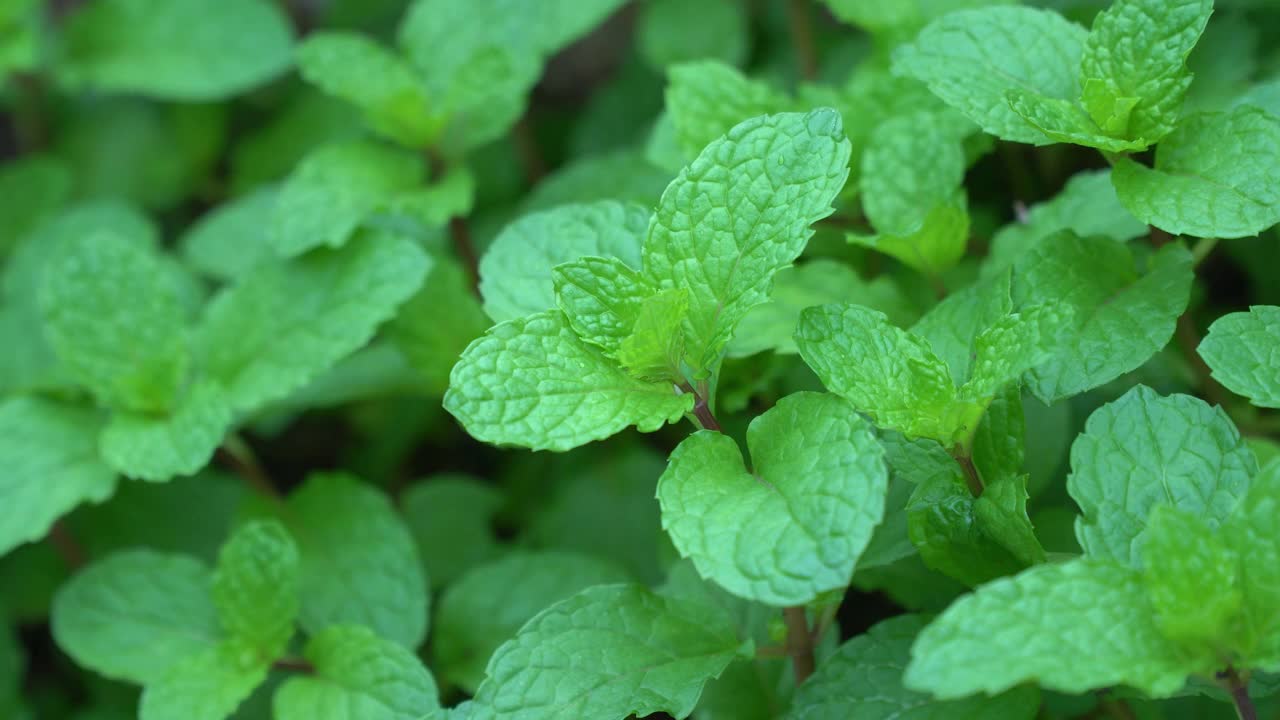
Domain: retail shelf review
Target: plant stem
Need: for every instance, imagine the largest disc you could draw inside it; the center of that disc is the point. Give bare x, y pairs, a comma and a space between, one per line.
535, 167
1117, 709
295, 664
459, 230
236, 454
971, 477
702, 410
802, 38
1201, 250
1239, 690
29, 112
66, 545
799, 642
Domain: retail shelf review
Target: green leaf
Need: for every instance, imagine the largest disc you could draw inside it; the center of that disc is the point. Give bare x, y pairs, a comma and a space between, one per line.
1013, 345
621, 175
886, 372
672, 31
32, 188
601, 299
937, 243
655, 346
209, 685
287, 322
1001, 513
999, 445
232, 239
255, 587
609, 651
358, 676
1243, 349
1143, 450
1070, 627
114, 317
515, 273
50, 458
1121, 318
488, 605
898, 18
796, 524
533, 383
1065, 121
973, 58
334, 189
1216, 175
450, 518
706, 99
161, 447
952, 325
376, 581
1252, 532
432, 341
752, 219
943, 524
177, 49
1190, 575
136, 614
1137, 51
361, 71
912, 164
863, 681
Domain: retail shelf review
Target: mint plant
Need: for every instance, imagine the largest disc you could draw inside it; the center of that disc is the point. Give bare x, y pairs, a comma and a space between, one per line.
949, 330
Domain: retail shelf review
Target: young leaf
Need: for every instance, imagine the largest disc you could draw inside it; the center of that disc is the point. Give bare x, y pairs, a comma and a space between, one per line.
936, 244
376, 80
1189, 572
1121, 318
208, 685
334, 189
285, 323
358, 676
1135, 57
973, 58
1034, 627
951, 326
515, 274
913, 163
1013, 345
532, 382
673, 31
1143, 450
601, 299
136, 614
1252, 531
113, 316
489, 604
999, 445
1001, 513
943, 524
49, 453
795, 525
255, 587
655, 346
863, 681
161, 447
1216, 175
707, 98
609, 651
736, 216
1244, 351
450, 517
1065, 121
177, 49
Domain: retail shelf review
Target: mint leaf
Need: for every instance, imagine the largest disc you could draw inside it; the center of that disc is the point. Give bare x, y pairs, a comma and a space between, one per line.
972, 59
1013, 345
951, 326
209, 685
488, 605
706, 99
255, 587
232, 239
609, 651
912, 164
334, 189
1244, 351
754, 218
161, 447
1001, 513
113, 316
532, 382
796, 524
1136, 52
943, 524
655, 346
671, 32
1121, 318
285, 323
863, 681
177, 50
601, 299
1064, 120
1215, 176
376, 80
515, 273
1190, 575
50, 458
999, 445
432, 341
1035, 627
33, 188
1143, 450
450, 517
1252, 532
376, 582
936, 244
358, 676
136, 614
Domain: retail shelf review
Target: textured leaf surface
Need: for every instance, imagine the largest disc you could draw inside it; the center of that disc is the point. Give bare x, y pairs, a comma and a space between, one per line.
1190, 575
286, 323
1216, 175
863, 681
1255, 532
1121, 318
952, 325
178, 49
1244, 351
706, 99
49, 456
515, 274
255, 587
936, 244
161, 447
601, 299
1065, 121
796, 524
1144, 450
486, 606
209, 685
1071, 627
912, 164
973, 58
359, 676
738, 214
532, 382
1013, 345
451, 517
609, 651
136, 614
943, 524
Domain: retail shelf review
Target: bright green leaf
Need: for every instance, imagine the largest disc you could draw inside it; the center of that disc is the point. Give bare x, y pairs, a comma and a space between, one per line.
1065, 121
255, 587
1001, 513
601, 299
232, 239
1243, 349
705, 99
208, 685
937, 243
1190, 576
952, 325
913, 163
1252, 532
943, 524
655, 346
1013, 345
161, 447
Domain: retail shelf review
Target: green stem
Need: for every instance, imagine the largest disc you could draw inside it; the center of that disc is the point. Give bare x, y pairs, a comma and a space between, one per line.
799, 642
1201, 250
702, 409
